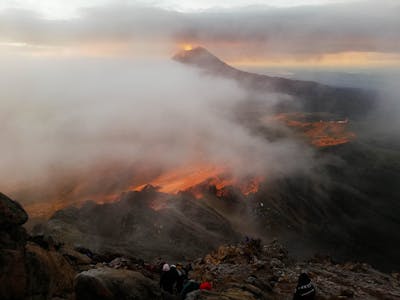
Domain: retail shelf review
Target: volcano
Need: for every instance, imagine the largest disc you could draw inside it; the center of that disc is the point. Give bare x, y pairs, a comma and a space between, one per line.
348, 194
313, 96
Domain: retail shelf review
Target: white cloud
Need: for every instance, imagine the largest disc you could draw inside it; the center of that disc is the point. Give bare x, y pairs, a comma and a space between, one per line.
61, 9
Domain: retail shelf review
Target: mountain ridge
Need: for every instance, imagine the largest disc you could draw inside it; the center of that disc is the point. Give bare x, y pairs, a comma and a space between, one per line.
313, 96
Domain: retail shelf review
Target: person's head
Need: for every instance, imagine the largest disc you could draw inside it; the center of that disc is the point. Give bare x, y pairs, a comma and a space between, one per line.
165, 268
304, 279
173, 267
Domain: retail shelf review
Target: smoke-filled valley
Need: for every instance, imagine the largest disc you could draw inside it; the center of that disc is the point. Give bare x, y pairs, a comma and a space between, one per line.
124, 160
111, 131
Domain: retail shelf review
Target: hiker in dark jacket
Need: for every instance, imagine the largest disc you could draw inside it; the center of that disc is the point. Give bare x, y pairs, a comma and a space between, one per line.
182, 277
168, 278
189, 287
188, 268
304, 289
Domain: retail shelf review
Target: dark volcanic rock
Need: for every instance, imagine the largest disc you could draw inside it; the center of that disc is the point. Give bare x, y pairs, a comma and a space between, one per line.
49, 273
13, 277
247, 272
112, 284
28, 271
13, 237
144, 224
11, 212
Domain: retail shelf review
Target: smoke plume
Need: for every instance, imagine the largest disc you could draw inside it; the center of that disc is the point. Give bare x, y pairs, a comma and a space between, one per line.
82, 128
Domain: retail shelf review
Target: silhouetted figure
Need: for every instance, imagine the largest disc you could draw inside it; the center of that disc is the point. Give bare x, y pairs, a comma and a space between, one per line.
304, 289
182, 277
168, 278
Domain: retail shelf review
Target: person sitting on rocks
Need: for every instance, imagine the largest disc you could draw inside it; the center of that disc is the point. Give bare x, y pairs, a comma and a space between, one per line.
189, 287
188, 268
168, 278
304, 289
182, 277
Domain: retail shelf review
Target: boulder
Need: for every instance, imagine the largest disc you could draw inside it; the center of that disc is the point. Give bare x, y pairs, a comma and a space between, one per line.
13, 275
13, 238
231, 294
49, 273
11, 212
114, 284
29, 270
74, 257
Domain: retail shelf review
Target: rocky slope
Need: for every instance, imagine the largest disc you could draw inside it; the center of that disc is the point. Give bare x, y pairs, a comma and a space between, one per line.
38, 267
143, 224
254, 271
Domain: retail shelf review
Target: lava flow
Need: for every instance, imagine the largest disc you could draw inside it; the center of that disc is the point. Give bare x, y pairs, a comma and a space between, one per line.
198, 178
321, 133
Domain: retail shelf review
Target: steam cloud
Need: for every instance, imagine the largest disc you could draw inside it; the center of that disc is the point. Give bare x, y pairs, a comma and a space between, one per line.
76, 127
106, 125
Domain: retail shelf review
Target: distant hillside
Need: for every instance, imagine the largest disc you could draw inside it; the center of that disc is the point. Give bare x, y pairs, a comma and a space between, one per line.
313, 96
145, 224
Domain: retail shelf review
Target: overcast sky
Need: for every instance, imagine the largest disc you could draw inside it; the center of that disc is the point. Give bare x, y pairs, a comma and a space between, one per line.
275, 32
56, 9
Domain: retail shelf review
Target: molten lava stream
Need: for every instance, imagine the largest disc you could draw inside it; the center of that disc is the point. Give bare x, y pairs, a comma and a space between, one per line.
198, 178
322, 133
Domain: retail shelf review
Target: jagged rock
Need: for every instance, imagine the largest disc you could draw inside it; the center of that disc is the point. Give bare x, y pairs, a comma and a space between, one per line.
193, 295
49, 273
42, 269
121, 263
132, 227
236, 275
13, 238
74, 257
13, 277
237, 294
114, 284
347, 293
46, 242
29, 270
230, 294
11, 212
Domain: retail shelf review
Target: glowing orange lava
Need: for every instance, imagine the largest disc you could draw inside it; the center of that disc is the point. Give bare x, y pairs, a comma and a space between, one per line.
195, 178
322, 133
47, 208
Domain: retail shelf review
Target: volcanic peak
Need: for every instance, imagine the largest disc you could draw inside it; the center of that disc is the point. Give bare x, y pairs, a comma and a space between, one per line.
201, 57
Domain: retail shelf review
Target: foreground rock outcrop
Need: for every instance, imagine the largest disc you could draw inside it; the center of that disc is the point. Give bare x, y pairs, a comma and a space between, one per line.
252, 271
13, 238
27, 270
37, 267
107, 283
